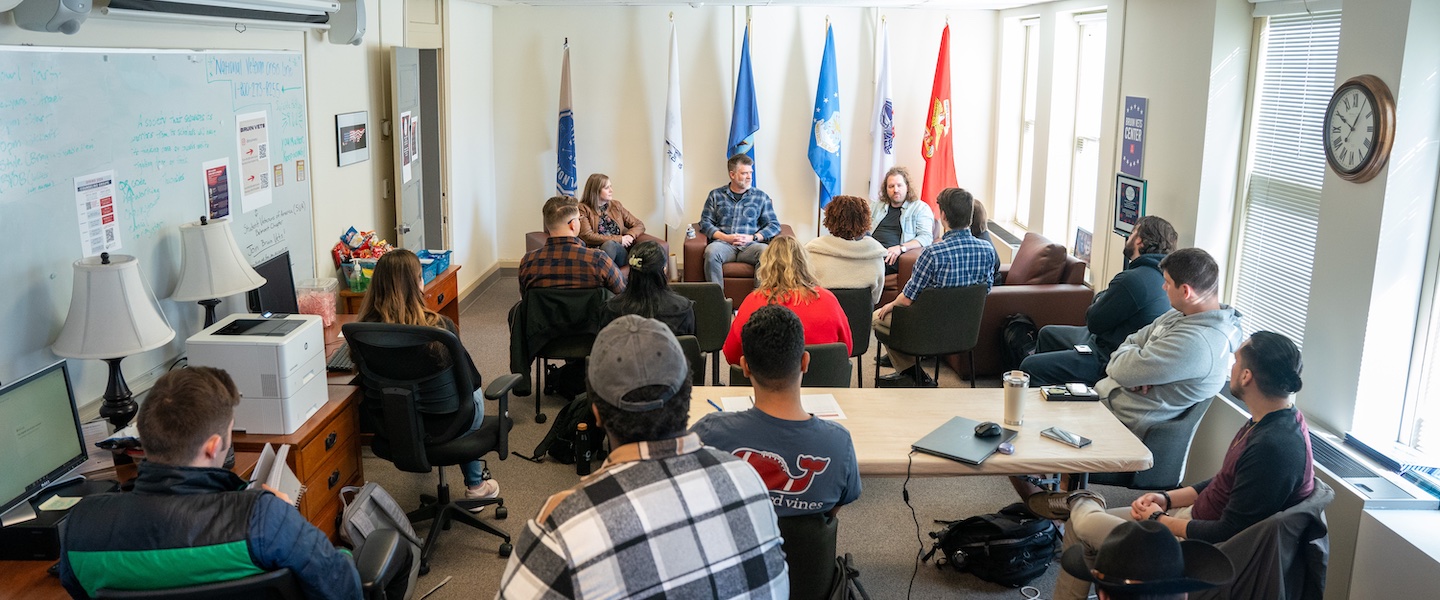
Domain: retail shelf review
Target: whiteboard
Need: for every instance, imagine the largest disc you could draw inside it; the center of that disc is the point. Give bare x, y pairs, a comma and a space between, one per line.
154, 118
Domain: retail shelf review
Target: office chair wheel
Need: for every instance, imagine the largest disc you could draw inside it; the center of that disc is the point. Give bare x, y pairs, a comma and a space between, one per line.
501, 512
424, 568
540, 418
505, 550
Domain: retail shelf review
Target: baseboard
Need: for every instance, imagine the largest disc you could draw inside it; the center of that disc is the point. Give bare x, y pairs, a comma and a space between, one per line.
496, 272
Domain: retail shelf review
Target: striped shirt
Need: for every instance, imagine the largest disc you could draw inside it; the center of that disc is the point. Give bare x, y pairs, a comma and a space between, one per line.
957, 260
565, 262
668, 518
752, 213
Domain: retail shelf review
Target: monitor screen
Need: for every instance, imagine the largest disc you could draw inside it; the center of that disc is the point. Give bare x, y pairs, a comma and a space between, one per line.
40, 436
278, 293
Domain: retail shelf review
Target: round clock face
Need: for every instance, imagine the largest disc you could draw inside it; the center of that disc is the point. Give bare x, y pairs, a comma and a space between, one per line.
1350, 129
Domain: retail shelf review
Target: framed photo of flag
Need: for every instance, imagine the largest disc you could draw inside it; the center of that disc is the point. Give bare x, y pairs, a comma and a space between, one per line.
352, 137
1129, 202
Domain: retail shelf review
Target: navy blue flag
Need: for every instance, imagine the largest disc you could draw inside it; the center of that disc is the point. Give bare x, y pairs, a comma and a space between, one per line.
566, 181
745, 121
825, 125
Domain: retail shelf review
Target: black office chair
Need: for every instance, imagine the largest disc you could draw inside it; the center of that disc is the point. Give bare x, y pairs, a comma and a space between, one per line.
691, 347
383, 564
860, 311
829, 367
809, 542
420, 409
1283, 557
713, 312
1169, 442
940, 321
553, 324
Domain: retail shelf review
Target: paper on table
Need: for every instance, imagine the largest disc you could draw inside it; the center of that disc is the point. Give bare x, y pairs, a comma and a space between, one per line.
99, 459
58, 503
820, 405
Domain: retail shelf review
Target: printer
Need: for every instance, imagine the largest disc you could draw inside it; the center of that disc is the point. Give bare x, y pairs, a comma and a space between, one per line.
278, 364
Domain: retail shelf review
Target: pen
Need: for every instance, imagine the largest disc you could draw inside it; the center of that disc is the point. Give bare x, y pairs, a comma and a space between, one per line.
717, 406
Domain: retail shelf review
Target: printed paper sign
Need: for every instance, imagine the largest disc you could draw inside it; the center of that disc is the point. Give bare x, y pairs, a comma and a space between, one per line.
95, 207
217, 188
254, 138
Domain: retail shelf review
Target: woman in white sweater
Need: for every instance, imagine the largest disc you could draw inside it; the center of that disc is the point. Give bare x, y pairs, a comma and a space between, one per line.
847, 258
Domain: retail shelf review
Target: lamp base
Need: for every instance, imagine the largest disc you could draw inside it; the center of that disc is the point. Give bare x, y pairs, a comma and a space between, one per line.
118, 404
210, 310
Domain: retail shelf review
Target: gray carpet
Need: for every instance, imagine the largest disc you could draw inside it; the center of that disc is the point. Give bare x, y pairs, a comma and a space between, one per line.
878, 529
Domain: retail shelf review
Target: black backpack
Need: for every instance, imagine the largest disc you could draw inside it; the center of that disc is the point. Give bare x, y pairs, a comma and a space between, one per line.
1019, 333
1011, 547
566, 380
559, 442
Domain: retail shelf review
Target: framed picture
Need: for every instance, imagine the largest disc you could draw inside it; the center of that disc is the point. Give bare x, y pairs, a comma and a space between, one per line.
1129, 202
1082, 244
352, 137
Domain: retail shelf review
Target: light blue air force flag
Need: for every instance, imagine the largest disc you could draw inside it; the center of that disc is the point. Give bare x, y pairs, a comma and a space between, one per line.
825, 125
566, 182
745, 120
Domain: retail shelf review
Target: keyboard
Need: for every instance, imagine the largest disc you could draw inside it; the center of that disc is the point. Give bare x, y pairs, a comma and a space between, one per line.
340, 360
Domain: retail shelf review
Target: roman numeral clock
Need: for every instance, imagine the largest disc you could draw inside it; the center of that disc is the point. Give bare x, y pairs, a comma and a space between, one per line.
1359, 128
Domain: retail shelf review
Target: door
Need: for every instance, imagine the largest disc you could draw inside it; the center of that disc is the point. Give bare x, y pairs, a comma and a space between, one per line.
408, 118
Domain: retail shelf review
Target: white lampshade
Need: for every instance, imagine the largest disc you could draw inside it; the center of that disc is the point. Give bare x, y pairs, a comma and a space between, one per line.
112, 312
211, 265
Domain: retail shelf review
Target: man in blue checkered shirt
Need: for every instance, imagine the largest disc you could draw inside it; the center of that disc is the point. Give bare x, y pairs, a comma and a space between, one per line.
957, 260
665, 517
737, 219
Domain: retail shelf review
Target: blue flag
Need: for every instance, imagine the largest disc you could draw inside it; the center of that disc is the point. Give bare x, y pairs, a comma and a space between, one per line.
566, 181
825, 125
745, 121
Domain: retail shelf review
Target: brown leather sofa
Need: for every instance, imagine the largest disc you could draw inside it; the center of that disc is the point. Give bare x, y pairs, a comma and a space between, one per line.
535, 239
739, 277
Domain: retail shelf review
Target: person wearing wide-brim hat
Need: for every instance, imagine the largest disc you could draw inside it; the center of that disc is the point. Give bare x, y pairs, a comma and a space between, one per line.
1143, 559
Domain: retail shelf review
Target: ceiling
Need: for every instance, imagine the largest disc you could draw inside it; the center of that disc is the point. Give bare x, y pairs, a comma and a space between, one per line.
933, 4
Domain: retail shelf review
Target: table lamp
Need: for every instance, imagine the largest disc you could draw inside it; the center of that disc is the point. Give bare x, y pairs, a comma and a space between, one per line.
112, 315
211, 266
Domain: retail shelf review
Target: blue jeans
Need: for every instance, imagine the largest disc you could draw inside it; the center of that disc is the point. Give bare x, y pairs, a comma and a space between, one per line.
616, 251
718, 253
474, 470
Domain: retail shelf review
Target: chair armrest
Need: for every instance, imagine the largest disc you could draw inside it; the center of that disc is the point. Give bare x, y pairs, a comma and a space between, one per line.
382, 559
906, 266
695, 255
1003, 274
664, 245
499, 389
501, 386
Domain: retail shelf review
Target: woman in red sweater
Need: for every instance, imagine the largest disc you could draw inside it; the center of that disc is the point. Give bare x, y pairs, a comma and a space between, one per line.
785, 280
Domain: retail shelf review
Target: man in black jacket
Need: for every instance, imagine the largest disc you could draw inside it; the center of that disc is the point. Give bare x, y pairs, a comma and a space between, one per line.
188, 521
1134, 298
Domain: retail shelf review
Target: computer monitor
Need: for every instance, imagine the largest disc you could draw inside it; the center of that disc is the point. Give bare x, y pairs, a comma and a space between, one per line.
40, 436
278, 293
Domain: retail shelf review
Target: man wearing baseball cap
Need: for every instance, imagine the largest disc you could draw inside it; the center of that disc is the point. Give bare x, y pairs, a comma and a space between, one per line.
1141, 559
634, 528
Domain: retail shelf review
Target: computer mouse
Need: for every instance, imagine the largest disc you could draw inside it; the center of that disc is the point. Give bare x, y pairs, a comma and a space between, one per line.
987, 429
1005, 448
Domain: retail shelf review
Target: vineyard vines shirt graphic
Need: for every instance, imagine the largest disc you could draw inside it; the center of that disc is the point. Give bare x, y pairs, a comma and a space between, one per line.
808, 466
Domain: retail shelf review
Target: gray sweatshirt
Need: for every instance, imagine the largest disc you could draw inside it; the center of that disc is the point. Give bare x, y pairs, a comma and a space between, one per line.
1183, 359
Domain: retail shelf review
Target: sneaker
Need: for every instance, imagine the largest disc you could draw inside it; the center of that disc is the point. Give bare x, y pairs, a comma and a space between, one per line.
884, 361
486, 490
1056, 505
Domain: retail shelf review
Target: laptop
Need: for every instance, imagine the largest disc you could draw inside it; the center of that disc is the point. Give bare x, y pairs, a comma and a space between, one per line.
956, 440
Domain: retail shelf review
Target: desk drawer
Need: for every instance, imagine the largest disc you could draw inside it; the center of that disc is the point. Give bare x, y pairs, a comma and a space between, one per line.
327, 442
440, 291
322, 487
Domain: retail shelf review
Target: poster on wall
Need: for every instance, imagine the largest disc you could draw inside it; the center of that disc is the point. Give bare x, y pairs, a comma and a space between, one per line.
1129, 203
415, 138
1132, 139
217, 187
95, 204
405, 147
254, 139
352, 139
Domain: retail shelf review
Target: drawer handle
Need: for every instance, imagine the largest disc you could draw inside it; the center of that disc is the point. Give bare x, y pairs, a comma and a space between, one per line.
334, 479
330, 441
440, 298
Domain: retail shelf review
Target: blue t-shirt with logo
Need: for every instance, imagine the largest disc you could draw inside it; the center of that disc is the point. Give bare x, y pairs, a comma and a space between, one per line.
808, 466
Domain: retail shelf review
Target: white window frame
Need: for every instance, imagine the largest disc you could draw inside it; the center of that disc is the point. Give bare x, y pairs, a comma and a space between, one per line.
1082, 21
1029, 103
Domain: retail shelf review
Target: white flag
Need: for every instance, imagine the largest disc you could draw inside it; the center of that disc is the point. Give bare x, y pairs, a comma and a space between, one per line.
672, 186
882, 123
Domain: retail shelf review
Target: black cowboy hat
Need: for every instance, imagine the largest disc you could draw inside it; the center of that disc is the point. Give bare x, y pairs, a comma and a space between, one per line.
1144, 557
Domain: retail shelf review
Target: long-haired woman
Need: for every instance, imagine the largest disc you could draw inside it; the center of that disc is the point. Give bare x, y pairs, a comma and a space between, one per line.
785, 279
648, 293
604, 223
397, 295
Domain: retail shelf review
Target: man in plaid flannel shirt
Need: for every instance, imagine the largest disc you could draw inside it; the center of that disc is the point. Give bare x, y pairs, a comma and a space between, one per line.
665, 516
957, 260
737, 219
564, 261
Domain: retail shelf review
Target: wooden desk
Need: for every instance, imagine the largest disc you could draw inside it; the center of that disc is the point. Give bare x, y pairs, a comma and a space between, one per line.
440, 295
883, 423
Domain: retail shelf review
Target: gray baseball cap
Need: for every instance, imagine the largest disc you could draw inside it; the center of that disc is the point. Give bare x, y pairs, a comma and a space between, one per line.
633, 352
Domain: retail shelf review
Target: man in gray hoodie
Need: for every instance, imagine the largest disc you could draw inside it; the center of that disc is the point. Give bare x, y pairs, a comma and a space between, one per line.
1182, 357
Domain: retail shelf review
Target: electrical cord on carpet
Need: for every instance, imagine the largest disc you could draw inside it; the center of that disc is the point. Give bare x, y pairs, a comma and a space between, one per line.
905, 492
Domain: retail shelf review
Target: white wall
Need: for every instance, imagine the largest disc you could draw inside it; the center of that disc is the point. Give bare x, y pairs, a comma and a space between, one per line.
470, 109
618, 64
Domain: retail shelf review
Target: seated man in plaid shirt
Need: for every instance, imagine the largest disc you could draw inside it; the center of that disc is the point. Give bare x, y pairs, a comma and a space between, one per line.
957, 260
564, 261
737, 219
665, 516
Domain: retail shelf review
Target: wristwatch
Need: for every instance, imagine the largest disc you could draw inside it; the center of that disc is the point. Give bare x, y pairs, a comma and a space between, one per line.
1155, 516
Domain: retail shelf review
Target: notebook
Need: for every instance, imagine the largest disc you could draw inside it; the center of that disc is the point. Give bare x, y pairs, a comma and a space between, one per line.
272, 470
956, 440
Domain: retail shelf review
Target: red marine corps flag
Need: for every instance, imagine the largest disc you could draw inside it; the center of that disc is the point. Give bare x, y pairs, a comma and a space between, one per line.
936, 149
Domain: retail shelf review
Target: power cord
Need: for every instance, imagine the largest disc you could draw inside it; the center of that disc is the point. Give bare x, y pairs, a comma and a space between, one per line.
905, 492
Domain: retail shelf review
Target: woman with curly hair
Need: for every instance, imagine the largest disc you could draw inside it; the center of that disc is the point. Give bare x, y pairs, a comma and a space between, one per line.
648, 293
899, 220
604, 223
847, 258
785, 279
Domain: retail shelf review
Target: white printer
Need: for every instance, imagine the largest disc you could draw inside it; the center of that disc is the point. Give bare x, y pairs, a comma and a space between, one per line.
277, 363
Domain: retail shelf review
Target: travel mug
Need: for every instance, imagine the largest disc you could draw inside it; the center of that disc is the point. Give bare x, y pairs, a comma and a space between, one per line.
1017, 385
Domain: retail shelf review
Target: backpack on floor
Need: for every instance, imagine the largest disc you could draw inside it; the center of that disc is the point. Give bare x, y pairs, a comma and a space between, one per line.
1019, 333
559, 442
1011, 547
566, 380
370, 508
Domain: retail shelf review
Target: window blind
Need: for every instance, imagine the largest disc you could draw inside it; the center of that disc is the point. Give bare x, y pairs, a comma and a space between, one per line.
1281, 210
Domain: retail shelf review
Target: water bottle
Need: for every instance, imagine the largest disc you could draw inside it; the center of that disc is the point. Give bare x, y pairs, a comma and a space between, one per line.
689, 232
582, 450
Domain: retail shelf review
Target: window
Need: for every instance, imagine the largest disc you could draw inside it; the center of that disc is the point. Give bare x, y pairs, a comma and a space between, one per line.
1029, 92
1280, 212
1089, 88
1420, 419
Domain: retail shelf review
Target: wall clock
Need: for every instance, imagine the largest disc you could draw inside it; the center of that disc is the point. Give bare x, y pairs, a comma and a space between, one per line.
1359, 128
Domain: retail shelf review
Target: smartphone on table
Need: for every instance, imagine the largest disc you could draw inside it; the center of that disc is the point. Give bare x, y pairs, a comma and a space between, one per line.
1066, 437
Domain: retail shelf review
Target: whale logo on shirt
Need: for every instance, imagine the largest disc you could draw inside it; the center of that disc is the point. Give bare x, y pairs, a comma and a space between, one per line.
774, 470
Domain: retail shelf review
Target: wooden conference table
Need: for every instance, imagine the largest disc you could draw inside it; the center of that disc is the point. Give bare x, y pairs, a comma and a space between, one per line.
883, 423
